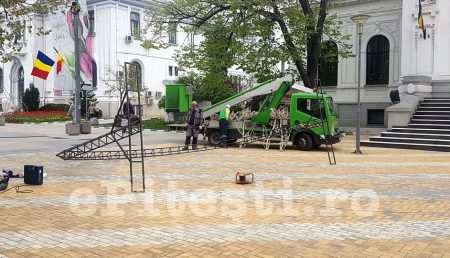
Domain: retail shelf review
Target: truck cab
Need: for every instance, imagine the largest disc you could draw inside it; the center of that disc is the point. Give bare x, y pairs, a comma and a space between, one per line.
313, 120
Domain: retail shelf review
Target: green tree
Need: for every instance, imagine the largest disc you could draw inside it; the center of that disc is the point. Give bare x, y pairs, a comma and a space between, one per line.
30, 100
162, 102
211, 86
253, 35
115, 81
16, 17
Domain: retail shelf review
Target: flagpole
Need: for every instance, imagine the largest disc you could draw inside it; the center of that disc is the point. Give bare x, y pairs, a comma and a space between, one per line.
75, 9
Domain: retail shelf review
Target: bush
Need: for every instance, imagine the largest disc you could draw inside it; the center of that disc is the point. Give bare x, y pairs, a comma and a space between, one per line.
155, 124
36, 117
30, 101
162, 103
54, 107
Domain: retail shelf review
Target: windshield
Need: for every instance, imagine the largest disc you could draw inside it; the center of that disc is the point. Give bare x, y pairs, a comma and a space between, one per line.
330, 104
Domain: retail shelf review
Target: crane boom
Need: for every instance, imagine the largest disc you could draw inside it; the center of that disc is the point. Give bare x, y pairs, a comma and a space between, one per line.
259, 89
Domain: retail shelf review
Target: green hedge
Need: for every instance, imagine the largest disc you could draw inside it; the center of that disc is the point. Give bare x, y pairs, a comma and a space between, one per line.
55, 107
155, 124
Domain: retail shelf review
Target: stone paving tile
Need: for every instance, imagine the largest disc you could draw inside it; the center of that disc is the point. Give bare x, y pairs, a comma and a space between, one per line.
411, 221
322, 248
193, 213
228, 233
261, 176
209, 195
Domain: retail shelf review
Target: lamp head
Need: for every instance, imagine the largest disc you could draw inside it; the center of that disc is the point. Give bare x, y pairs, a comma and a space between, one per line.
360, 19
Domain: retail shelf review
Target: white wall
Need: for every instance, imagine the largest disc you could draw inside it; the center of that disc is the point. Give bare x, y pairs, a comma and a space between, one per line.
112, 26
430, 57
385, 19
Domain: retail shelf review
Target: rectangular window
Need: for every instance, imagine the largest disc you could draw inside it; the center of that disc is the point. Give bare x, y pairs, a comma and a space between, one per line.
173, 34
170, 70
236, 82
313, 107
135, 24
91, 15
375, 116
192, 40
176, 70
19, 35
1, 80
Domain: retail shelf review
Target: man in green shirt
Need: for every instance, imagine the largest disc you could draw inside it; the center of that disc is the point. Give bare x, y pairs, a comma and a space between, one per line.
224, 117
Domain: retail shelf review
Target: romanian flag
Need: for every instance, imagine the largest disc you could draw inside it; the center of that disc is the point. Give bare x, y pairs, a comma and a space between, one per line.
59, 64
421, 21
42, 66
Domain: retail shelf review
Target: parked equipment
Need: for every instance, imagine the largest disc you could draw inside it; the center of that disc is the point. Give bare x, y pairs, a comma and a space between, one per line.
308, 121
241, 178
33, 175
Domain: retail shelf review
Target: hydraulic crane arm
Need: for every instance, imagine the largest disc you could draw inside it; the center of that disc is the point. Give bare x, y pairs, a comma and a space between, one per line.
260, 89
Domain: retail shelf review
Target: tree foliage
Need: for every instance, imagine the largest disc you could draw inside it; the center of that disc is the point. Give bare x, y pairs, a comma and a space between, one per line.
212, 87
30, 101
115, 80
162, 102
17, 17
252, 35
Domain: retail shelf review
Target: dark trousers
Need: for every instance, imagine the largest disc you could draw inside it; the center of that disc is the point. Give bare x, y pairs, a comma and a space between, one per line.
191, 131
188, 140
223, 125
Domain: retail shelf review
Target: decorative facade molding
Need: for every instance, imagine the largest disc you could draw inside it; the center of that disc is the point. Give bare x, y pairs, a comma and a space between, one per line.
389, 29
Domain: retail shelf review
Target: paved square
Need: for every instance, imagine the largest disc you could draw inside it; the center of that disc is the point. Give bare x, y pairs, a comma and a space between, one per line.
384, 203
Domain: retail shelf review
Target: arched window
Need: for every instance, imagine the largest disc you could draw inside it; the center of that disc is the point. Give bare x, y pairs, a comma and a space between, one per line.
136, 72
328, 65
377, 65
1, 80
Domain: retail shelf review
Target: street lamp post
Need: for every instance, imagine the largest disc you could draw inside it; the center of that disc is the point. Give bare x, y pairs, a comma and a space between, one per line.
75, 9
359, 20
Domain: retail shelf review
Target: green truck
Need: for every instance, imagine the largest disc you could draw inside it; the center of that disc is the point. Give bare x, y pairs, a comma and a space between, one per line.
311, 120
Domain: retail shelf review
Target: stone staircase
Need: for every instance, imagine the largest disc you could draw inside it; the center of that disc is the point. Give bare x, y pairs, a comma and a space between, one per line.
429, 129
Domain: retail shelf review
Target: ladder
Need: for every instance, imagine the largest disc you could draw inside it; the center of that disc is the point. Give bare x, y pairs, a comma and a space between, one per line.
138, 154
88, 150
96, 143
253, 137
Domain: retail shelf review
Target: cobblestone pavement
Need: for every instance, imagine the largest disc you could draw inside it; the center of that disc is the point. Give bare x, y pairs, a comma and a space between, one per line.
384, 203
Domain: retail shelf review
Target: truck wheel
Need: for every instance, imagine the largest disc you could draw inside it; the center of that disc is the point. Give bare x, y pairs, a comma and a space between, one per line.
303, 142
214, 137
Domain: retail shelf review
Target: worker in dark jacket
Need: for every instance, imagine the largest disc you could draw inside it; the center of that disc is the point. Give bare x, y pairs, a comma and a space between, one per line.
224, 117
194, 121
128, 109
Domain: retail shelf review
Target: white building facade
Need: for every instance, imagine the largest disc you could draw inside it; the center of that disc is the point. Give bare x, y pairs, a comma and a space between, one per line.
394, 53
116, 41
115, 29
